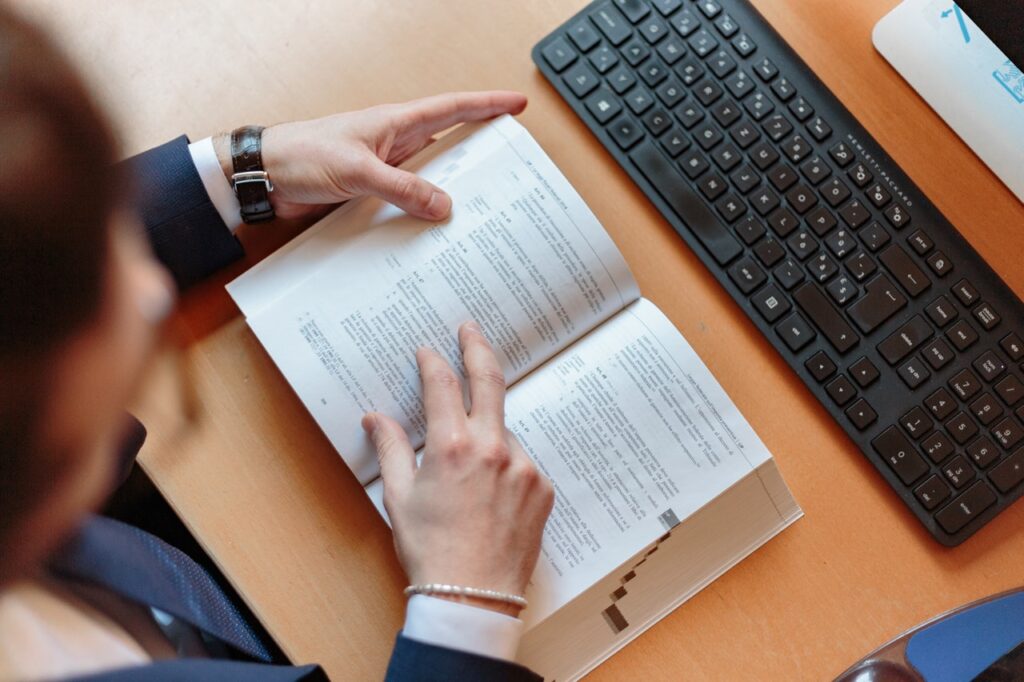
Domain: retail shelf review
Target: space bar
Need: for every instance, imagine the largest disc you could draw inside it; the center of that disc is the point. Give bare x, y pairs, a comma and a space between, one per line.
689, 207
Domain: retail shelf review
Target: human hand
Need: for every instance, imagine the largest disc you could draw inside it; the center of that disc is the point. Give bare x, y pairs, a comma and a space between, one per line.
473, 513
329, 160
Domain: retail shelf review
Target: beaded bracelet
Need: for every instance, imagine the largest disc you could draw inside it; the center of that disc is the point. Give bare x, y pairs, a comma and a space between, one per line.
457, 590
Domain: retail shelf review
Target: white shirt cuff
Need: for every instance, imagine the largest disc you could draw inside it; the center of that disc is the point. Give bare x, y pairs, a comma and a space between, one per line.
462, 627
217, 186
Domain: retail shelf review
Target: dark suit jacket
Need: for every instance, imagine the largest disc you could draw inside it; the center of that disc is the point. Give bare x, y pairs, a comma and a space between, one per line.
190, 238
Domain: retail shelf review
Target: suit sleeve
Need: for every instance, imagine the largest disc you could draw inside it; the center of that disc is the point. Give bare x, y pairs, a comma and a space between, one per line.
208, 670
413, 661
184, 228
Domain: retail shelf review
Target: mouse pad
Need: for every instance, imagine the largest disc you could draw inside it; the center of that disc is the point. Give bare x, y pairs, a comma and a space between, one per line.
963, 76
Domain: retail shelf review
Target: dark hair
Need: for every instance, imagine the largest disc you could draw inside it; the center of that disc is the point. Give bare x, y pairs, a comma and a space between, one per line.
58, 189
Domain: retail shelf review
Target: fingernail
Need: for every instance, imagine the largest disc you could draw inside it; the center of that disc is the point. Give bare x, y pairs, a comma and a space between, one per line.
473, 327
369, 423
440, 204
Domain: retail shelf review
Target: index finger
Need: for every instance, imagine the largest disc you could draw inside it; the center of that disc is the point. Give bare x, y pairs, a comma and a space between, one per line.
431, 115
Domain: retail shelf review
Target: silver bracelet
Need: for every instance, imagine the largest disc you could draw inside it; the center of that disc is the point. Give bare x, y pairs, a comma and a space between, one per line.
458, 590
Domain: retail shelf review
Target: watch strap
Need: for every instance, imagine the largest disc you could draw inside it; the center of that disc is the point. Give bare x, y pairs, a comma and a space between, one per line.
250, 181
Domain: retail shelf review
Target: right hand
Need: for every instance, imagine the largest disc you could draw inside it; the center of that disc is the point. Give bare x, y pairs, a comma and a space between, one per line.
473, 513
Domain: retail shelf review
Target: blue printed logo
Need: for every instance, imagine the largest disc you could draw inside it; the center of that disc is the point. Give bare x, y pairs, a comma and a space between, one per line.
1011, 78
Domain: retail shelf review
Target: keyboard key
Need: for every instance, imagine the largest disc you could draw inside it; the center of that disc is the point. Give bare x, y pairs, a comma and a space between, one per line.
731, 207
769, 252
759, 106
657, 121
989, 366
803, 244
1009, 473
721, 64
674, 142
854, 214
822, 267
795, 332
835, 192
938, 354
965, 384
583, 34
1010, 390
782, 177
904, 270
710, 8
745, 179
727, 26
937, 446
861, 414
1008, 433
965, 292
881, 301
820, 366
621, 79
859, 174
904, 340
965, 508
693, 164
897, 216
796, 148
941, 311
747, 275
941, 403
687, 205
914, 373
916, 423
958, 472
763, 155
739, 84
840, 243
707, 135
712, 186
635, 51
625, 132
864, 372
686, 22
773, 304
985, 409
726, 156
783, 222
824, 315
842, 290
671, 49
559, 54
920, 242
932, 492
815, 170
635, 10
788, 274
874, 236
860, 266
783, 89
899, 454
801, 109
603, 105
745, 134
878, 195
962, 428
749, 230
842, 155
802, 198
987, 316
689, 115
581, 79
940, 264
962, 335
726, 113
611, 23
653, 29
766, 69
653, 73
841, 390
1013, 347
603, 58
667, 7
764, 201
702, 43
982, 452
821, 220
744, 45
819, 129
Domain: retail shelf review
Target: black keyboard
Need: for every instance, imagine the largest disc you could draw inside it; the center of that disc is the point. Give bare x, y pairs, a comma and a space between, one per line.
899, 328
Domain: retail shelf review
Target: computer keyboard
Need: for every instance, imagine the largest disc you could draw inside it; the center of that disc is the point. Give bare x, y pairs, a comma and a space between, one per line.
899, 328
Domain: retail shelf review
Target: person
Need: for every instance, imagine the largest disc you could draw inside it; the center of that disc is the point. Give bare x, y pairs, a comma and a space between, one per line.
82, 298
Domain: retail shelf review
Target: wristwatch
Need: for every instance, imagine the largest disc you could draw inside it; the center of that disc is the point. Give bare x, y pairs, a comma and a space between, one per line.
250, 180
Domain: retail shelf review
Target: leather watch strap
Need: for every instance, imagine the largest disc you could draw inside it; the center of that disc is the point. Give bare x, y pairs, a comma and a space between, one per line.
250, 181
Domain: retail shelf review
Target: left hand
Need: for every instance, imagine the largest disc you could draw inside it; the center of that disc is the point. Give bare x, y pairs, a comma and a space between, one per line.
329, 160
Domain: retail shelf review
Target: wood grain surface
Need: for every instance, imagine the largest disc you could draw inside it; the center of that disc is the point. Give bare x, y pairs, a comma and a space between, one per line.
271, 501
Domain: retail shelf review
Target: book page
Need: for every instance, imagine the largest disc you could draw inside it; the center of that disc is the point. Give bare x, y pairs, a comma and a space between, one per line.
521, 254
636, 436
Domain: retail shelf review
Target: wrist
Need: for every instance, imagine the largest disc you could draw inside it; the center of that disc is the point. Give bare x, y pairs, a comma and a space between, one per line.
222, 147
489, 604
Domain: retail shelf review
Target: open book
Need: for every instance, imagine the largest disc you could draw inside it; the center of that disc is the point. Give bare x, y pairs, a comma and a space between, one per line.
660, 483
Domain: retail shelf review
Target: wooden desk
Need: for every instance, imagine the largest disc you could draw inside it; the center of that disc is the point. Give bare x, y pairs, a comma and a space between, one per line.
274, 505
